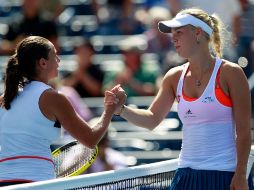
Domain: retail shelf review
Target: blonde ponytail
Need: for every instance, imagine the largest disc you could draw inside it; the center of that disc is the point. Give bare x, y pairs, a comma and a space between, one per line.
216, 36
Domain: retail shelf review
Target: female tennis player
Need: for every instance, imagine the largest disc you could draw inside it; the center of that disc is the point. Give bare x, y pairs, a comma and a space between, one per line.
31, 113
213, 104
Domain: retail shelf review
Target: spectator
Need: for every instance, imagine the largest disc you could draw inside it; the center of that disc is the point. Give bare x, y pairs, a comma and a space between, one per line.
175, 6
31, 21
160, 43
245, 46
87, 79
157, 42
137, 77
119, 18
54, 8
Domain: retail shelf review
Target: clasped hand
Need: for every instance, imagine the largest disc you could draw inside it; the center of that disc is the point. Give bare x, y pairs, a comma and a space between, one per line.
114, 98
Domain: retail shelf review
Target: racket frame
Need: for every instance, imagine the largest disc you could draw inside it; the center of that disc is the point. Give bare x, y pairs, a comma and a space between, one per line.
84, 166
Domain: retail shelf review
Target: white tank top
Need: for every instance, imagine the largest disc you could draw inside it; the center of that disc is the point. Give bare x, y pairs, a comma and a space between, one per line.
208, 129
25, 137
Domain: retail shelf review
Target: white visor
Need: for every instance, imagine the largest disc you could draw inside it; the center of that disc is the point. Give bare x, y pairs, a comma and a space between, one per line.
183, 20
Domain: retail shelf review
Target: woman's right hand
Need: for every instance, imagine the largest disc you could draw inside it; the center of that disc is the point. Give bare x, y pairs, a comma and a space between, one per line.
110, 101
120, 94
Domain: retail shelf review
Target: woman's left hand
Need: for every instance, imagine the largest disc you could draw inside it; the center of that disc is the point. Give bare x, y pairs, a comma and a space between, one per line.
239, 182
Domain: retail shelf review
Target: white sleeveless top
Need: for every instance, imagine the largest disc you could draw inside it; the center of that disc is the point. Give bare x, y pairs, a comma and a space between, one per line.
208, 129
25, 137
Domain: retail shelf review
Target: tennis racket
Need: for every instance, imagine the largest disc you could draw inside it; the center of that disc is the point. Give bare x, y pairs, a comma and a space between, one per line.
73, 159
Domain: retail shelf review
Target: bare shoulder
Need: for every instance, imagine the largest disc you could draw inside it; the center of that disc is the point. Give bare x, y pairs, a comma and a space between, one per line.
53, 96
230, 67
173, 75
52, 102
175, 72
232, 75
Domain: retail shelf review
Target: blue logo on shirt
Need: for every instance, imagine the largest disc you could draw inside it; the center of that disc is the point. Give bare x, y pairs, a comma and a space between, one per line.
208, 99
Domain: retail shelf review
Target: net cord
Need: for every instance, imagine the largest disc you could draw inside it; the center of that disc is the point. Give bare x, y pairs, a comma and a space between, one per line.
99, 178
108, 176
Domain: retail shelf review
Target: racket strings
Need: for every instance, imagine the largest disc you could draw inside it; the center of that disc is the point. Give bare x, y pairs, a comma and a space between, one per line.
72, 158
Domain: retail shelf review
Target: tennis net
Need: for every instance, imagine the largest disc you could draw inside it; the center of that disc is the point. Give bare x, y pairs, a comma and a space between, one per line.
156, 176
149, 176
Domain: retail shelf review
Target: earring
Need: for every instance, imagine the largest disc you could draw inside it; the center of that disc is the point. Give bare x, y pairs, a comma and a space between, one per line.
198, 41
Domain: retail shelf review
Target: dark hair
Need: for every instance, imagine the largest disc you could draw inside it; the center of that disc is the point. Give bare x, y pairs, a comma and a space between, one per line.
21, 67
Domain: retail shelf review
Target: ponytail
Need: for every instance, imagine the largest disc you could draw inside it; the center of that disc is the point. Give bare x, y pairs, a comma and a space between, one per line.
216, 37
21, 67
12, 82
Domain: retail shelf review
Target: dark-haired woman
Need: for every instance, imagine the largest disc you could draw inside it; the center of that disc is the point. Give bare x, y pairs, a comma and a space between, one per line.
31, 113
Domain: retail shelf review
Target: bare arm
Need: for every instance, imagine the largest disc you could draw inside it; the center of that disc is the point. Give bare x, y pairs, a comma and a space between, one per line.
160, 106
240, 94
56, 106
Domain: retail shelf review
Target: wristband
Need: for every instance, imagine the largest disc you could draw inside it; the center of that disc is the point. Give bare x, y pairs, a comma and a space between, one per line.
121, 110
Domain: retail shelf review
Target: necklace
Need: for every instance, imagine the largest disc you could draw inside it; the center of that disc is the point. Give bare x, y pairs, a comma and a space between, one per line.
198, 81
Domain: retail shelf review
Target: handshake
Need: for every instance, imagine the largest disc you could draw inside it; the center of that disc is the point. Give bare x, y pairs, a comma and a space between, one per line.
114, 100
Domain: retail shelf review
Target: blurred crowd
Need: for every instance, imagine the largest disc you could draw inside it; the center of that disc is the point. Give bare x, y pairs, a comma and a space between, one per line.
127, 28
117, 42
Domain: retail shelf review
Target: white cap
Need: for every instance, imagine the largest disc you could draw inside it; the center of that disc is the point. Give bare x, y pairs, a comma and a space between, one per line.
183, 20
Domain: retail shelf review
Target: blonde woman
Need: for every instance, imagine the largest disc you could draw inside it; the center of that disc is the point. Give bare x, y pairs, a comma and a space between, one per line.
213, 104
